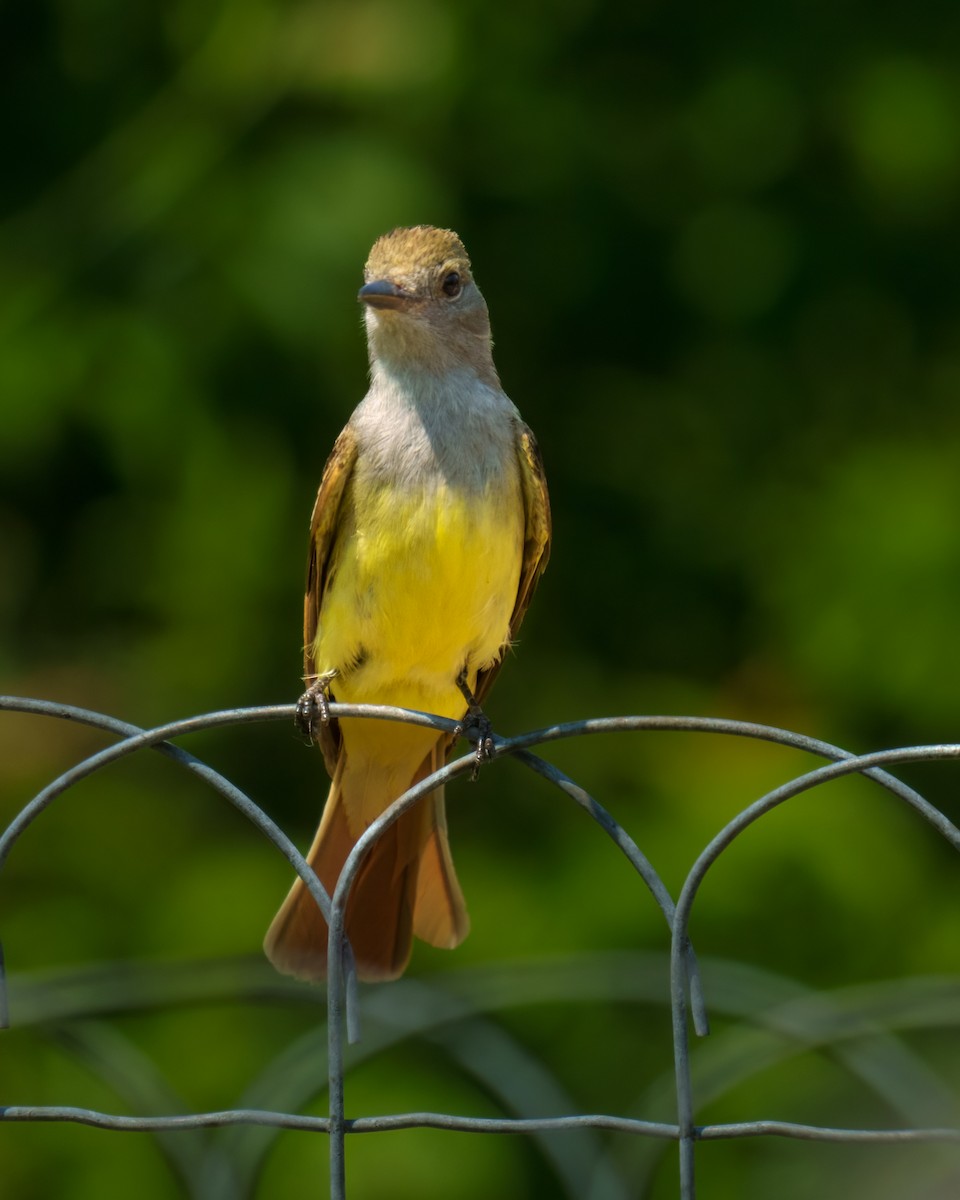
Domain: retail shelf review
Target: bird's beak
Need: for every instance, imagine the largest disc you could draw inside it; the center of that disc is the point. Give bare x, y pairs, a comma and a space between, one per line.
381, 293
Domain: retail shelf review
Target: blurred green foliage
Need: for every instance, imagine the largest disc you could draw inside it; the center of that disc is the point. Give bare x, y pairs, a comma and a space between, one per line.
720, 250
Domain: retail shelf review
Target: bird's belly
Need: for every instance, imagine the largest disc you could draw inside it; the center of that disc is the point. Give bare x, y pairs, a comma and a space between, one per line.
424, 586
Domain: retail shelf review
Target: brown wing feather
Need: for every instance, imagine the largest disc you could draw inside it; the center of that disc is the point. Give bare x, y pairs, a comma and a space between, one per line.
323, 528
536, 540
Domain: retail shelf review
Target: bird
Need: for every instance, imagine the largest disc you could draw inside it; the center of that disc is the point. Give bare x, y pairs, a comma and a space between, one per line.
430, 531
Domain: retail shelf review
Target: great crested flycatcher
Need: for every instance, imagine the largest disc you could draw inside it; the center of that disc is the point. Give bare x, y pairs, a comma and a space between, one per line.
429, 533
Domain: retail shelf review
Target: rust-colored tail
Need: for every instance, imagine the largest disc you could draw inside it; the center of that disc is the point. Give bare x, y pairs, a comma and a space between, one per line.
406, 885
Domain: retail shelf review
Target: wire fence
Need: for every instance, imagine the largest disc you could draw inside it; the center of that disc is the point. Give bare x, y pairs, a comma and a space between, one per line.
343, 1023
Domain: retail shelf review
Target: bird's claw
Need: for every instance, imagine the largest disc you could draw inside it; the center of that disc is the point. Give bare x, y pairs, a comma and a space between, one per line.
476, 728
313, 707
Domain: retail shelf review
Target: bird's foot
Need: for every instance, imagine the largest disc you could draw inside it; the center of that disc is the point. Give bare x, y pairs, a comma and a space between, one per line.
313, 707
475, 727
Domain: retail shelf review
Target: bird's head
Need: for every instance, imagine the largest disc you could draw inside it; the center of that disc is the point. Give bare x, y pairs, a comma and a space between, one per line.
421, 305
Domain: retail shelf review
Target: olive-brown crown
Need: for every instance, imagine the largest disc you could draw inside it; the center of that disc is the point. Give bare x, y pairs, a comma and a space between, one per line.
418, 259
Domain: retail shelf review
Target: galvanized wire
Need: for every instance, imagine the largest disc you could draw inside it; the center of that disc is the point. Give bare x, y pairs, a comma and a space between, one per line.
343, 1024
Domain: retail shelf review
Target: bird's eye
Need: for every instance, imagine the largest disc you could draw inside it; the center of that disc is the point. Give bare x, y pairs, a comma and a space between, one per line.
451, 286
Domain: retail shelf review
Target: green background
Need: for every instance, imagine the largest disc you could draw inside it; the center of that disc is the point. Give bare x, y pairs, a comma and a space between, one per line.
720, 248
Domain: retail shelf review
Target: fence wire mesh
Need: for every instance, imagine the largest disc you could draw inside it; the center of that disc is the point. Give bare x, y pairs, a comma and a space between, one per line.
808, 1016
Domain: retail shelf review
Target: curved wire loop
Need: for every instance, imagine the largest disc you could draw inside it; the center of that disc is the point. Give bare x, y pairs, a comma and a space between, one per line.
342, 1006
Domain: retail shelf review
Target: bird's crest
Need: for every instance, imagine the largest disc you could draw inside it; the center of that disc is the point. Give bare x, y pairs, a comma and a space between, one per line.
416, 251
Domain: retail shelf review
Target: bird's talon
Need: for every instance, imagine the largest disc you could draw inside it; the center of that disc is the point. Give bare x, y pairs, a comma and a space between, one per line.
484, 753
476, 727
313, 707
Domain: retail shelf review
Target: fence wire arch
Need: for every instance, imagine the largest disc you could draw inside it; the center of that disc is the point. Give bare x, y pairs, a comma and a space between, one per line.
689, 1005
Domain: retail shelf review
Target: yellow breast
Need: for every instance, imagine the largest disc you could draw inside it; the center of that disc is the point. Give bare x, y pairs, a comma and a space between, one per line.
422, 584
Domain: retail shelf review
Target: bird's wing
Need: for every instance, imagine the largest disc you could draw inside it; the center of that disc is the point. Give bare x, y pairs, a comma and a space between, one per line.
323, 529
536, 540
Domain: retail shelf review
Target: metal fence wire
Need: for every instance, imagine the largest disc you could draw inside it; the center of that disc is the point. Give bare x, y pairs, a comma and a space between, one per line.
687, 1001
